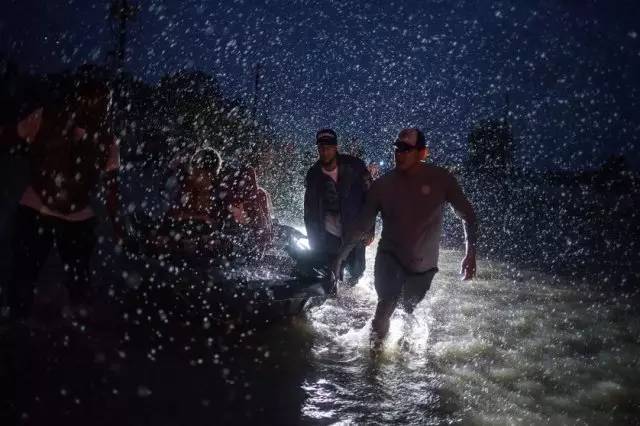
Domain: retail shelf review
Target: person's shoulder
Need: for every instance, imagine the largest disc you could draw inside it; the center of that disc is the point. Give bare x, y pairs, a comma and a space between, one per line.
384, 181
440, 175
314, 168
433, 168
313, 171
437, 171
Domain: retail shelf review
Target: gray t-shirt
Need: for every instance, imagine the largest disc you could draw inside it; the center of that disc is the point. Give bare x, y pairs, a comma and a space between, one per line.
412, 208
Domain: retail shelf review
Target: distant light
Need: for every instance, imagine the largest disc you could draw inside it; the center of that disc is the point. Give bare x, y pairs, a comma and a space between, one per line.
382, 163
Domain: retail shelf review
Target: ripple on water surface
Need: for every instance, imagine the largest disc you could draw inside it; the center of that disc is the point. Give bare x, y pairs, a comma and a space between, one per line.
510, 347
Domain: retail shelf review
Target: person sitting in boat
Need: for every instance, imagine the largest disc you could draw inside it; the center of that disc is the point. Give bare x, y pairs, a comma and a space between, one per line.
249, 211
197, 216
197, 189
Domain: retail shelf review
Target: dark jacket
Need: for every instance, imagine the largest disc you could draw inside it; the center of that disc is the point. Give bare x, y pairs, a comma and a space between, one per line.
321, 195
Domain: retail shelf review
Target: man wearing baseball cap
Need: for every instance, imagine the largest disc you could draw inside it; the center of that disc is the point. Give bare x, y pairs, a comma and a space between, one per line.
411, 198
335, 190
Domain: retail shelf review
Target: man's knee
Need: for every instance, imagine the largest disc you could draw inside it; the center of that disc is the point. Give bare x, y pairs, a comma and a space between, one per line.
409, 305
411, 299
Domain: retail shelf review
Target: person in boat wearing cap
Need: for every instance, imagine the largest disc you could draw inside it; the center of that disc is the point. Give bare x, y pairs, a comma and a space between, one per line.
411, 198
71, 148
335, 190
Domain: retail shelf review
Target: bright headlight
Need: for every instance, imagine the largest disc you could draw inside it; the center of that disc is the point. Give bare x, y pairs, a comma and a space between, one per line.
303, 243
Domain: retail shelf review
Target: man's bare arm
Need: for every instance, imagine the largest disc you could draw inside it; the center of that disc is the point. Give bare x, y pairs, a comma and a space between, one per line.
464, 210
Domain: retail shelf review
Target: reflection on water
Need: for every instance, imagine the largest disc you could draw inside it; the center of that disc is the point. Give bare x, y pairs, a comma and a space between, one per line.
506, 348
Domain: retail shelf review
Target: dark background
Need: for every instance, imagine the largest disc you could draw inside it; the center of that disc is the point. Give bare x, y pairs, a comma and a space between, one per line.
570, 68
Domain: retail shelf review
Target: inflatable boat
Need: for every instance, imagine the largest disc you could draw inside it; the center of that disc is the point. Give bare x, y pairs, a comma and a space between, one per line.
196, 274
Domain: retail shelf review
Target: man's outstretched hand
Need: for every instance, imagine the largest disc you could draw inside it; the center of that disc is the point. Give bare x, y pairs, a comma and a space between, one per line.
468, 266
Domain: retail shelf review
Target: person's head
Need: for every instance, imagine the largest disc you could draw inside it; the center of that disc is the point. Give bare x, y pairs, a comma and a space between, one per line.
207, 159
204, 166
327, 143
410, 149
90, 101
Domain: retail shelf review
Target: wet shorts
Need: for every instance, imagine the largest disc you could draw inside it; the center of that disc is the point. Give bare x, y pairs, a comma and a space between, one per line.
392, 280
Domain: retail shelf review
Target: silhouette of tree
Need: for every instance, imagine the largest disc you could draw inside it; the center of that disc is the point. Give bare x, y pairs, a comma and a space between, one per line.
491, 147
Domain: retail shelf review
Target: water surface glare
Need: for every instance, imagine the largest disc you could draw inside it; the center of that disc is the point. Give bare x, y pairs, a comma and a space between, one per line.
511, 347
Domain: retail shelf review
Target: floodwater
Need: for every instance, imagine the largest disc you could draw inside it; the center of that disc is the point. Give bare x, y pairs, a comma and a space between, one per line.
507, 348
511, 347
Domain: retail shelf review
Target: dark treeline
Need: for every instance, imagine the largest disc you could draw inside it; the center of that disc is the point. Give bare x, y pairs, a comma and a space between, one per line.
562, 221
161, 124
583, 223
159, 127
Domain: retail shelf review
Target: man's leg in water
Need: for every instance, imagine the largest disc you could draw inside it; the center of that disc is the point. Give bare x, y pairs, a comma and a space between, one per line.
330, 249
415, 288
76, 241
355, 264
389, 280
31, 243
382, 319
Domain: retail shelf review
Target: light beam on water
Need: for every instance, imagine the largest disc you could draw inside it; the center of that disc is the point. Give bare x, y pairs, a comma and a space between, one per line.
512, 346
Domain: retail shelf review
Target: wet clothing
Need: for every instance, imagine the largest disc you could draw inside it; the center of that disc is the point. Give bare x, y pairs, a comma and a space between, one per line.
412, 210
344, 197
330, 206
392, 281
34, 235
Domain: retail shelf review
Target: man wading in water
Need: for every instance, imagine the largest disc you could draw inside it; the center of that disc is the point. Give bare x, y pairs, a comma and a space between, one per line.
411, 198
335, 188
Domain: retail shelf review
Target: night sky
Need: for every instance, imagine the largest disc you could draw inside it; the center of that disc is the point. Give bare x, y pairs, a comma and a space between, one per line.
571, 67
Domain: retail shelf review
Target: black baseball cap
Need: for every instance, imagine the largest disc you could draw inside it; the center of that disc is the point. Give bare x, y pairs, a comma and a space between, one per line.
326, 137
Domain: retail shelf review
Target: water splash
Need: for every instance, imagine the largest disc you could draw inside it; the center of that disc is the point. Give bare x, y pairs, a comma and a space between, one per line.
508, 347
